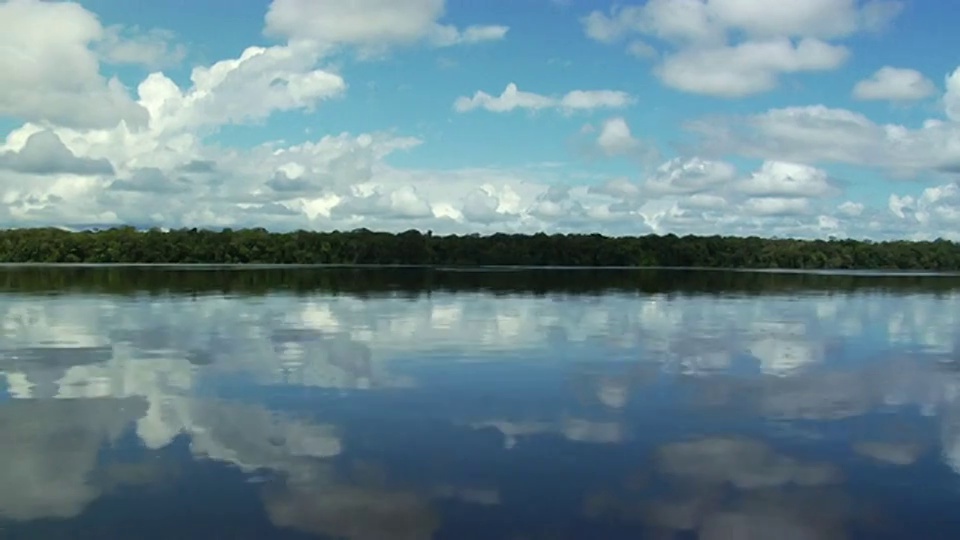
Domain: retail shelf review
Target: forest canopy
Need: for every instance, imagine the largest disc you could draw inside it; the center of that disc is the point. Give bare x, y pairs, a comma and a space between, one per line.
359, 247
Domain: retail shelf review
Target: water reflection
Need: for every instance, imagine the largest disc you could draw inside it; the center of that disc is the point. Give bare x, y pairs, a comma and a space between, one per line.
50, 448
473, 415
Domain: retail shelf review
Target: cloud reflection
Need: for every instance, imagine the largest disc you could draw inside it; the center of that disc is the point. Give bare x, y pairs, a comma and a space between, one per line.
740, 462
734, 488
352, 512
573, 429
893, 453
49, 448
344, 341
86, 366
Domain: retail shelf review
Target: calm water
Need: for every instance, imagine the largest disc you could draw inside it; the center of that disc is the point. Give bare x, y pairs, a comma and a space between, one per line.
406, 404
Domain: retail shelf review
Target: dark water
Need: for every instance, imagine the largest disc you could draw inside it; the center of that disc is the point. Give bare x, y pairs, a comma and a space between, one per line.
409, 404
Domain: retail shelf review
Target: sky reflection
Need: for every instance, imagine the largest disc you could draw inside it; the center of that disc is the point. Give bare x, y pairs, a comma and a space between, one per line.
467, 415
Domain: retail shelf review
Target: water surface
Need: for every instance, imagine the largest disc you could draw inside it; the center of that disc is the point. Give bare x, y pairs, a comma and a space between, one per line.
413, 404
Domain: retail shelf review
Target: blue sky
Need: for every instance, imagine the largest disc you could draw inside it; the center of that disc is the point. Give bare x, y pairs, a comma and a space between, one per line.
809, 118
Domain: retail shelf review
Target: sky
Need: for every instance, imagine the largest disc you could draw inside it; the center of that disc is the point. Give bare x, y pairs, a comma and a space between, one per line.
795, 118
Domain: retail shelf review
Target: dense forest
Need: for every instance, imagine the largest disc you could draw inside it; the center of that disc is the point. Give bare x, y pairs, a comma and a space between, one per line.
362, 247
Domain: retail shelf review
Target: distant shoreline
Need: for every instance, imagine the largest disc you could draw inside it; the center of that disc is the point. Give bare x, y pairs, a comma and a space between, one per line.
363, 248
852, 272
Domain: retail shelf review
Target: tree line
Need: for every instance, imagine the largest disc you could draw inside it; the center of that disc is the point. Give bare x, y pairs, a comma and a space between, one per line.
364, 247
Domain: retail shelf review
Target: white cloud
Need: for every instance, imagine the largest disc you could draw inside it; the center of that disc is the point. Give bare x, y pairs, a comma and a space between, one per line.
789, 180
153, 49
615, 137
708, 21
736, 48
54, 76
747, 68
513, 98
620, 188
951, 98
344, 181
642, 50
371, 25
851, 209
894, 84
447, 35
367, 22
401, 203
481, 206
156, 167
776, 206
804, 18
817, 134
263, 80
43, 153
699, 196
688, 177
595, 99
936, 209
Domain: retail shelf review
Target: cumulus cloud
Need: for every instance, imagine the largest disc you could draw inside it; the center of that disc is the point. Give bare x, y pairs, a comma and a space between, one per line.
774, 39
371, 25
620, 188
951, 98
263, 80
155, 48
55, 76
43, 153
513, 98
74, 162
61, 83
817, 134
447, 35
788, 180
850, 208
615, 137
345, 181
776, 206
894, 84
402, 203
747, 68
642, 50
686, 194
689, 177
935, 208
151, 181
